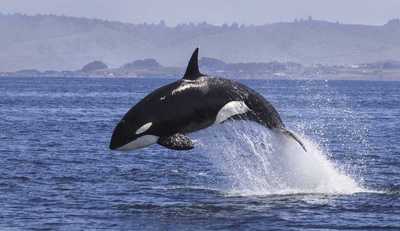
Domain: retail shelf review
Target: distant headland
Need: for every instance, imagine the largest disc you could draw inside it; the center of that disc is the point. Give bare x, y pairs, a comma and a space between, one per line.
302, 48
148, 68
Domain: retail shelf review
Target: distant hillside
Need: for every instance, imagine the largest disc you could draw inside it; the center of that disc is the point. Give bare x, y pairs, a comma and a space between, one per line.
65, 43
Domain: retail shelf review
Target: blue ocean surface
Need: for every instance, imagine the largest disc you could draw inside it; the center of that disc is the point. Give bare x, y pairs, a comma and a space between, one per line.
57, 172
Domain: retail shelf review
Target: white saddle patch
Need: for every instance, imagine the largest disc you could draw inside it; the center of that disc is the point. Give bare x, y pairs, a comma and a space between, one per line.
140, 142
189, 84
143, 128
230, 109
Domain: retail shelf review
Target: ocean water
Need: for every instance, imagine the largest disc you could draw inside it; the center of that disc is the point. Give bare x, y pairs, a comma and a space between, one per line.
57, 173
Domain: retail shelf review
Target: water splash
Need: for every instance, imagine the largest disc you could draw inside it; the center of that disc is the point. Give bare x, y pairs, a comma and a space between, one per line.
255, 161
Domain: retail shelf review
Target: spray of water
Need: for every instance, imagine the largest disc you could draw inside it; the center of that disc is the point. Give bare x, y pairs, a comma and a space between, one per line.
255, 161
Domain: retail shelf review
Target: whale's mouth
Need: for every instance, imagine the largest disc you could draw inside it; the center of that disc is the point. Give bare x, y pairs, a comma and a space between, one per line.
114, 145
140, 142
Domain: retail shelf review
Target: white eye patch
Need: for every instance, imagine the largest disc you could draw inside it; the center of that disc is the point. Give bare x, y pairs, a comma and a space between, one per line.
143, 128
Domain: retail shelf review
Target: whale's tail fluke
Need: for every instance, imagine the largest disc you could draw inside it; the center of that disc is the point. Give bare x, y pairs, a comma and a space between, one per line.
292, 135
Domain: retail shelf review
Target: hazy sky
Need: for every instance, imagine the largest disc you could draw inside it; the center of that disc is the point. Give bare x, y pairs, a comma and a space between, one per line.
213, 11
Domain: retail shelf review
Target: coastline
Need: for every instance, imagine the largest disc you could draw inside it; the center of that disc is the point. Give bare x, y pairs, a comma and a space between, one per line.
150, 68
272, 78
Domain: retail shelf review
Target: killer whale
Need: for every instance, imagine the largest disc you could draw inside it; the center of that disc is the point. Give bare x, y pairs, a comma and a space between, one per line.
192, 103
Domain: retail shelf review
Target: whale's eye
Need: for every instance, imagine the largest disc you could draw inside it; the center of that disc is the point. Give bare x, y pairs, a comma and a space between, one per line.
143, 128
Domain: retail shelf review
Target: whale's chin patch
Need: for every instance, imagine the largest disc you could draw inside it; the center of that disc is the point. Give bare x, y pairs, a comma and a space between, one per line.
140, 142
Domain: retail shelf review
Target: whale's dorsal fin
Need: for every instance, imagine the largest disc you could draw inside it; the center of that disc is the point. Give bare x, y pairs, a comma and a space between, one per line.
192, 70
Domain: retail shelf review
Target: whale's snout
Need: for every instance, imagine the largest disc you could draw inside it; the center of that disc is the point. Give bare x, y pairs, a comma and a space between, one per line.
119, 136
125, 138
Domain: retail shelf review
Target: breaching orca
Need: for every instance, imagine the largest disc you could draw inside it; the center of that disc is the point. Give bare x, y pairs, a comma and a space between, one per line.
194, 102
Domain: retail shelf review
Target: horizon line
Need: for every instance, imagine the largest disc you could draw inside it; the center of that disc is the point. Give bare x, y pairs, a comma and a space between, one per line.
164, 22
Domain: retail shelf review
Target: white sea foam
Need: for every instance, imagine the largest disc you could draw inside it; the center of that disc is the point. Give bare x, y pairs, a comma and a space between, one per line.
256, 161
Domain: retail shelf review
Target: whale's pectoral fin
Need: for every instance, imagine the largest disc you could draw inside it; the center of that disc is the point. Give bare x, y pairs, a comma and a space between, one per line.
292, 135
177, 141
